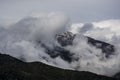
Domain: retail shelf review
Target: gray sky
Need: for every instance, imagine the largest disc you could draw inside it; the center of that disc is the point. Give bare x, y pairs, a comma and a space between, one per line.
77, 10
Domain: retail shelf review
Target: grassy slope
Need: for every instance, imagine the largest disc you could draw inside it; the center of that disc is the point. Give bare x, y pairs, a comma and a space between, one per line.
14, 69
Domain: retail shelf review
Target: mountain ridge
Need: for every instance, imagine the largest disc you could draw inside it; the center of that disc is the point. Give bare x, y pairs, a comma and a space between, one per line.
14, 69
67, 38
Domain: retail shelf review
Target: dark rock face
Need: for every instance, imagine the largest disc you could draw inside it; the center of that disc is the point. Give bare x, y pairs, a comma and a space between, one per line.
58, 51
14, 69
65, 39
106, 48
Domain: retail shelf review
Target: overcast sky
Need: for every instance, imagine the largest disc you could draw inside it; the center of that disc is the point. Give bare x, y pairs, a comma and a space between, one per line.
77, 10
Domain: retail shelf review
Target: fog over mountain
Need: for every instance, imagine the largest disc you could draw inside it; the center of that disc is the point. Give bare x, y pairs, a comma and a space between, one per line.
29, 38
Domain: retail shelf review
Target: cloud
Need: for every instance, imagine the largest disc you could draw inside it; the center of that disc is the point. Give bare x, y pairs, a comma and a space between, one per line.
20, 39
86, 27
102, 30
107, 31
24, 40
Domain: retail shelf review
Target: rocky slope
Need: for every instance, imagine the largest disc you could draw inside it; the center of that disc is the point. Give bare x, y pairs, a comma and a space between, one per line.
66, 39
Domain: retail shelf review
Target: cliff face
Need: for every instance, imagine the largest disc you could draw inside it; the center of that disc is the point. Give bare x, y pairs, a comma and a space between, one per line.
67, 38
14, 69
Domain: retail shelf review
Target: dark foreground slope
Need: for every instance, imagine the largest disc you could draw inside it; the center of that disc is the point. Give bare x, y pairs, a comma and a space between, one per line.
117, 75
14, 69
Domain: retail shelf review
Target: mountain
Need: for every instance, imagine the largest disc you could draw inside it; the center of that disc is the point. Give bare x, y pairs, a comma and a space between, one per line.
117, 75
14, 69
67, 38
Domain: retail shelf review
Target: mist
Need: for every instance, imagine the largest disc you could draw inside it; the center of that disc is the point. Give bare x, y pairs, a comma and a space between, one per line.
23, 39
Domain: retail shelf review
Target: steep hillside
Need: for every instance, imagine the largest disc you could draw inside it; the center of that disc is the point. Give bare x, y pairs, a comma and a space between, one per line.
14, 69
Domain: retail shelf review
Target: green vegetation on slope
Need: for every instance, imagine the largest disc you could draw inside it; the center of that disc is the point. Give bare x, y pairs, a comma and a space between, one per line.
14, 69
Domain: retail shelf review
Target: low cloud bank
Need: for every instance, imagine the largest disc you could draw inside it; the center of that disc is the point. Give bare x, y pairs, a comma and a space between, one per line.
24, 40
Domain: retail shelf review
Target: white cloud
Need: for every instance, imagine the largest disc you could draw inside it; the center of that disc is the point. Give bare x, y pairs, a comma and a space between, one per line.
86, 27
103, 30
107, 31
20, 40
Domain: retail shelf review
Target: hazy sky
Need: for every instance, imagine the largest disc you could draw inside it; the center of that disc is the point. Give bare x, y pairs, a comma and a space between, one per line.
77, 10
